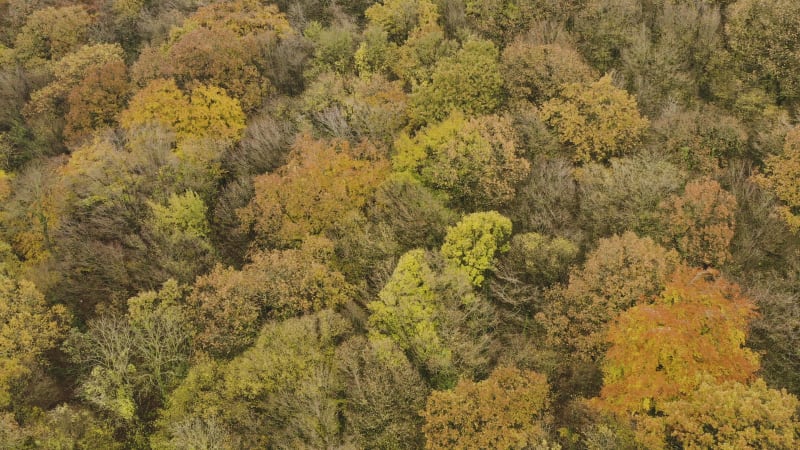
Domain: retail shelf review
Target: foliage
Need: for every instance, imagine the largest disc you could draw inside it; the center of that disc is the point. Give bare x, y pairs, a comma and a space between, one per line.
700, 223
221, 44
501, 20
229, 306
321, 183
475, 161
474, 241
544, 260
136, 359
97, 100
432, 313
625, 194
622, 272
470, 81
287, 377
51, 33
30, 327
184, 213
207, 113
414, 213
661, 352
507, 410
728, 415
780, 177
597, 120
406, 310
761, 35
385, 393
398, 18
537, 72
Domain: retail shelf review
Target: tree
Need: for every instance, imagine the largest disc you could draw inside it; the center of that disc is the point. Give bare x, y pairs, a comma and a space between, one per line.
229, 306
780, 177
384, 393
429, 310
97, 100
597, 120
661, 352
321, 183
207, 113
502, 20
622, 272
68, 73
700, 223
475, 161
470, 81
133, 361
473, 243
406, 313
510, 409
543, 260
221, 44
727, 415
51, 33
28, 329
760, 33
537, 72
415, 214
625, 194
606, 27
281, 391
398, 18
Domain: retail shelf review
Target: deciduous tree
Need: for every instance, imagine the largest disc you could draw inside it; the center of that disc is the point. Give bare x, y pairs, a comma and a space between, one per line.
661, 352
700, 223
510, 409
597, 120
470, 81
475, 161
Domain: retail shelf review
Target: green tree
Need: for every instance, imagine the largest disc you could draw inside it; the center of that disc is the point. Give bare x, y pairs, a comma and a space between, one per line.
406, 312
51, 33
475, 161
596, 120
398, 18
470, 81
542, 259
510, 409
473, 243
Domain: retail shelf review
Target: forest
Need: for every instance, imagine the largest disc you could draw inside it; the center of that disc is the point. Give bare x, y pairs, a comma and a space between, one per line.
399, 224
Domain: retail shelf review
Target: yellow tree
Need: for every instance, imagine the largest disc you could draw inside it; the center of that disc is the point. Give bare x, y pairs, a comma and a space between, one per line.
781, 174
597, 120
28, 328
509, 410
